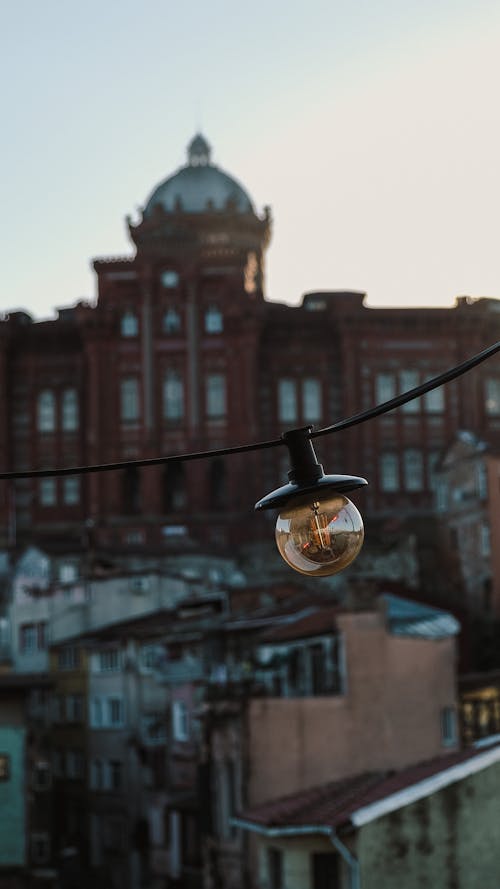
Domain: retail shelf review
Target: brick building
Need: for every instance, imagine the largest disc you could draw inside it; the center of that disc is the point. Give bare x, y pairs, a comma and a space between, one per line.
182, 351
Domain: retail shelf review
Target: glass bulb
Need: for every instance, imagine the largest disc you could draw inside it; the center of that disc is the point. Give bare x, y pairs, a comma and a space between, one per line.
319, 537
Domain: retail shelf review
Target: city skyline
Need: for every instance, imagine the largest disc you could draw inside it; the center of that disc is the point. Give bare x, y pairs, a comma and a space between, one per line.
373, 137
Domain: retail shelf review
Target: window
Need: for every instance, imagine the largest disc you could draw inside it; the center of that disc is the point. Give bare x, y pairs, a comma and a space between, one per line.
434, 401
129, 399
75, 764
325, 870
171, 321
275, 868
68, 572
70, 419
109, 660
413, 468
150, 656
129, 324
213, 320
46, 411
408, 379
115, 712
448, 727
33, 637
169, 279
492, 392
180, 721
441, 496
74, 708
97, 713
385, 387
107, 712
42, 777
4, 767
311, 400
433, 459
47, 492
389, 473
287, 401
40, 848
485, 540
173, 396
71, 490
68, 658
216, 395
482, 481
114, 774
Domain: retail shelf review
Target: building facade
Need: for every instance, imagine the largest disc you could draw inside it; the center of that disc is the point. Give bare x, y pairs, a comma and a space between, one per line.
182, 351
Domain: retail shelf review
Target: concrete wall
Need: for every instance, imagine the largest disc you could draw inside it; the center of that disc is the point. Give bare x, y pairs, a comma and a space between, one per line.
389, 716
12, 798
449, 840
297, 854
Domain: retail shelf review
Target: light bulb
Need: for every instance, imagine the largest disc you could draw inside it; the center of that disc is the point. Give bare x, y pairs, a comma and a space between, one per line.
319, 537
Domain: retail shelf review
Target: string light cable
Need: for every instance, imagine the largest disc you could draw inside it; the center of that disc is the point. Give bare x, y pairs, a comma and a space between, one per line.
339, 426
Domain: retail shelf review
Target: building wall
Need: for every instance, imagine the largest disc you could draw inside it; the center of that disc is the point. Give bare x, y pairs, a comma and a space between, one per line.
296, 852
13, 852
388, 717
448, 839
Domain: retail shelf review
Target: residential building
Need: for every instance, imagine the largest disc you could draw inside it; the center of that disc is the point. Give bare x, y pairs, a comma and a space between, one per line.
26, 853
468, 503
334, 693
431, 824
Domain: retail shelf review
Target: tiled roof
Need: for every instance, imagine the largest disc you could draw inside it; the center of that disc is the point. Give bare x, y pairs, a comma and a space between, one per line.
337, 803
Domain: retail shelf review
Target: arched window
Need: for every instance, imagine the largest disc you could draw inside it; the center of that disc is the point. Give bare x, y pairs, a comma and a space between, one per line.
213, 320
129, 324
173, 396
171, 321
287, 401
46, 411
311, 400
70, 417
389, 472
413, 466
215, 395
174, 487
129, 399
169, 279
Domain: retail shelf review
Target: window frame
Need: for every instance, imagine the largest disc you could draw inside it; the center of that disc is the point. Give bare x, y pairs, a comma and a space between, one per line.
216, 395
130, 400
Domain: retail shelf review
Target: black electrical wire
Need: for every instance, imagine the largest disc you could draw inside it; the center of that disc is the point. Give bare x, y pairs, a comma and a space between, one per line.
355, 420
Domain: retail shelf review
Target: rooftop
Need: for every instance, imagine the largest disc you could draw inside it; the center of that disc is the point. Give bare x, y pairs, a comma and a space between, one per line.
362, 798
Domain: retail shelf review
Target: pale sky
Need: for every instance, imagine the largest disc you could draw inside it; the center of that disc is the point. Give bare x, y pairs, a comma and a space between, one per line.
372, 129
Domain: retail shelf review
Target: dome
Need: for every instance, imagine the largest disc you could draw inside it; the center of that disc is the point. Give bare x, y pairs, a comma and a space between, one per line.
199, 187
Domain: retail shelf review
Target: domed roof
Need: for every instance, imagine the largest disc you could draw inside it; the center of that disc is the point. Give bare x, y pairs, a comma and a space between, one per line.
199, 187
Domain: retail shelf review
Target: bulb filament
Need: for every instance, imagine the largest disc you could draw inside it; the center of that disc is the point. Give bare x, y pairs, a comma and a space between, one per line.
323, 538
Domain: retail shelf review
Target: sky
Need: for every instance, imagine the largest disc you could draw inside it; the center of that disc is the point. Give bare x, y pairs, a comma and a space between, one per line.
370, 127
